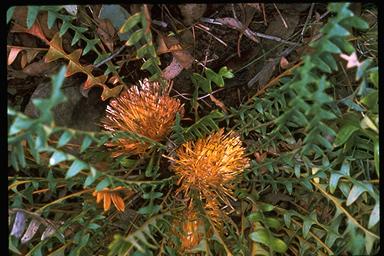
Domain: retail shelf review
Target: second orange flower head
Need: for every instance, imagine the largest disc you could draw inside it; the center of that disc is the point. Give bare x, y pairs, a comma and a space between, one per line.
144, 111
210, 164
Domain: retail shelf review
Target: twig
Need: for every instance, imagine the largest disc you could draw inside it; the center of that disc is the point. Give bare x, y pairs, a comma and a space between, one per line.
281, 16
275, 38
264, 17
324, 14
235, 24
110, 57
199, 26
211, 21
199, 98
306, 21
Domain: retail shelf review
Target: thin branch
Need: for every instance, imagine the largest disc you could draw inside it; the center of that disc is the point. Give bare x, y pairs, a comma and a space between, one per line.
110, 57
307, 20
236, 24
341, 208
281, 16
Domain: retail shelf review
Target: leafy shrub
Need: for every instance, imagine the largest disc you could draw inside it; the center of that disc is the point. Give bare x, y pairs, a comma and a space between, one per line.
311, 186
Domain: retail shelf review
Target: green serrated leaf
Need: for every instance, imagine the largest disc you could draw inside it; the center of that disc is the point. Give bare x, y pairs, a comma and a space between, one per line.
87, 141
19, 124
51, 19
307, 224
64, 138
12, 247
362, 68
336, 30
374, 77
374, 218
147, 64
202, 82
266, 207
225, 72
32, 15
90, 45
142, 51
328, 46
344, 134
273, 223
75, 38
90, 179
150, 209
131, 22
356, 22
216, 78
355, 192
10, 13
75, 168
103, 184
152, 195
135, 37
376, 150
64, 28
334, 179
262, 236
57, 157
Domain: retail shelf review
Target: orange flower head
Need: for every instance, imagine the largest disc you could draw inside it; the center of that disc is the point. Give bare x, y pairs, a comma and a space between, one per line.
108, 196
143, 111
210, 164
191, 229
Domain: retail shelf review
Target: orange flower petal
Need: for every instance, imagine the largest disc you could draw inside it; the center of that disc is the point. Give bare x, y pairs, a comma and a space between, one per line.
107, 201
99, 197
118, 202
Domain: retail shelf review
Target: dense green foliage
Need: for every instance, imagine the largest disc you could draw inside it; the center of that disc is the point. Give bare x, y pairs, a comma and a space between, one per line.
312, 187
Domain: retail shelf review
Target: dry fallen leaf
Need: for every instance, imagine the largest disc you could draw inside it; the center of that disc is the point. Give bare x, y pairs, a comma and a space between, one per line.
284, 63
20, 15
218, 103
106, 31
14, 51
41, 68
35, 30
181, 57
23, 61
172, 70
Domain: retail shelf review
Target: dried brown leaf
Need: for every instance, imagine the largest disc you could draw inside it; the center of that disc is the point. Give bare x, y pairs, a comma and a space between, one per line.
20, 15
172, 70
40, 68
23, 61
35, 30
14, 51
106, 31
56, 52
218, 103
284, 63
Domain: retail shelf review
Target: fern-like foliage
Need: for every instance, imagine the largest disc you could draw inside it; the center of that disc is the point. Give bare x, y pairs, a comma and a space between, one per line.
304, 143
309, 103
143, 238
142, 39
199, 129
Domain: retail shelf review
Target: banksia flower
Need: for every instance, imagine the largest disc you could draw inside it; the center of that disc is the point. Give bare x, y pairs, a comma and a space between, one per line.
210, 164
108, 196
189, 229
143, 111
